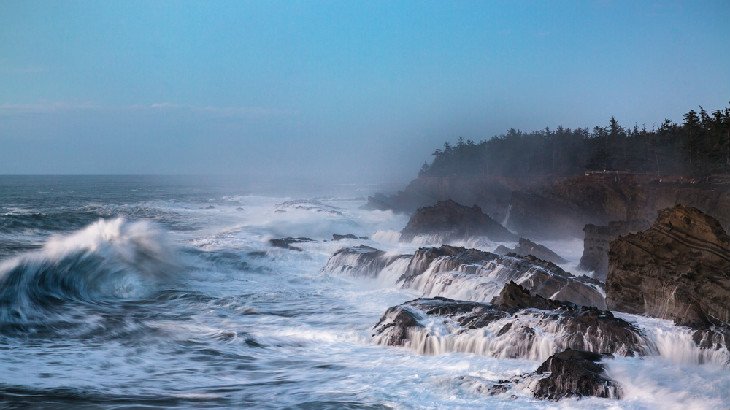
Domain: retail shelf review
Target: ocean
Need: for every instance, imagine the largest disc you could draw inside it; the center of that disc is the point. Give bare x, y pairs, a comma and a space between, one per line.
165, 292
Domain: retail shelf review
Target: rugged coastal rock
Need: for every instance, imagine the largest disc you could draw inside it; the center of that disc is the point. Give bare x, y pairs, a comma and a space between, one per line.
596, 244
287, 242
551, 207
358, 261
570, 373
574, 373
468, 274
678, 269
451, 220
515, 324
527, 247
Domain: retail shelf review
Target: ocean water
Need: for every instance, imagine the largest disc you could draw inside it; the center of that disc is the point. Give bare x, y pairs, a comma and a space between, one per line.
129, 292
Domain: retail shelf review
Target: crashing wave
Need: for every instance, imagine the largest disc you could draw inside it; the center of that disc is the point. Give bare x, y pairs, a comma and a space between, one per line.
109, 259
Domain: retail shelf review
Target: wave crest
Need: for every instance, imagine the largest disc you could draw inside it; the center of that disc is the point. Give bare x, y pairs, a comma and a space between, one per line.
107, 260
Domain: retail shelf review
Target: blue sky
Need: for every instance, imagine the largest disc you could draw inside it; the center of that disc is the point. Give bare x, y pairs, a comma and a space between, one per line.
340, 90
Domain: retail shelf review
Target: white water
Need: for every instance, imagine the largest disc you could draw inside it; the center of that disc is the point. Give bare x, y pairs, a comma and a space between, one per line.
314, 328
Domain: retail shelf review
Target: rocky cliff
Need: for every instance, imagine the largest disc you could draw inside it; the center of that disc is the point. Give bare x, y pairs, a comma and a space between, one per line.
551, 207
678, 269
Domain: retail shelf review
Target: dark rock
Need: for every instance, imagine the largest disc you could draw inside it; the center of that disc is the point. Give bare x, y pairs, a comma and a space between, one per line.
575, 373
527, 247
511, 326
450, 220
678, 269
514, 297
596, 244
286, 243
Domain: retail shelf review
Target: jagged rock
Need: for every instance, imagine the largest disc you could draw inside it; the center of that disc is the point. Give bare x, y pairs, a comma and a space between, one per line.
287, 242
450, 220
527, 247
514, 297
515, 324
575, 373
359, 260
678, 269
469, 274
596, 244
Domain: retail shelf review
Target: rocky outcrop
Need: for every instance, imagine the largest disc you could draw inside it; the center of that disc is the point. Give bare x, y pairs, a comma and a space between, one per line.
449, 220
574, 373
358, 261
287, 242
515, 324
468, 274
570, 373
596, 244
678, 269
527, 247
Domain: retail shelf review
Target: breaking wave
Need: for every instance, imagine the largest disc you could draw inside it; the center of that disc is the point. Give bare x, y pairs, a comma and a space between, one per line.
108, 260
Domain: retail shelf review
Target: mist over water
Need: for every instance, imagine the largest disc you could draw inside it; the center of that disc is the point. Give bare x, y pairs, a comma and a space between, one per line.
120, 292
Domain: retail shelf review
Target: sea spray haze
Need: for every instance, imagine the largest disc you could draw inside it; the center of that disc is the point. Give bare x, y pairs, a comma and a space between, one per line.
174, 297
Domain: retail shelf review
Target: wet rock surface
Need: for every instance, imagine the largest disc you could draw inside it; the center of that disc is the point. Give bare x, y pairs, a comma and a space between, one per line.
451, 220
527, 247
359, 260
515, 324
678, 269
574, 373
469, 274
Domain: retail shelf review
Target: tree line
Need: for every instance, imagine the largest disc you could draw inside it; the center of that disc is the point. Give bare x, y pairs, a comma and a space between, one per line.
699, 146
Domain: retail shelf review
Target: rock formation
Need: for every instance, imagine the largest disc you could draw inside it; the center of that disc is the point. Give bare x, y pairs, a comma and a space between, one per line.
678, 269
549, 207
468, 274
449, 220
574, 373
596, 243
527, 247
515, 324
358, 261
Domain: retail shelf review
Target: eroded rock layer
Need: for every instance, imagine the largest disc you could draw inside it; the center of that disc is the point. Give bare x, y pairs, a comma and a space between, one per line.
678, 269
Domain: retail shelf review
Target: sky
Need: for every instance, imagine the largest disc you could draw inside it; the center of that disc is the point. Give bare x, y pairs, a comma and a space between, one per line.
339, 91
